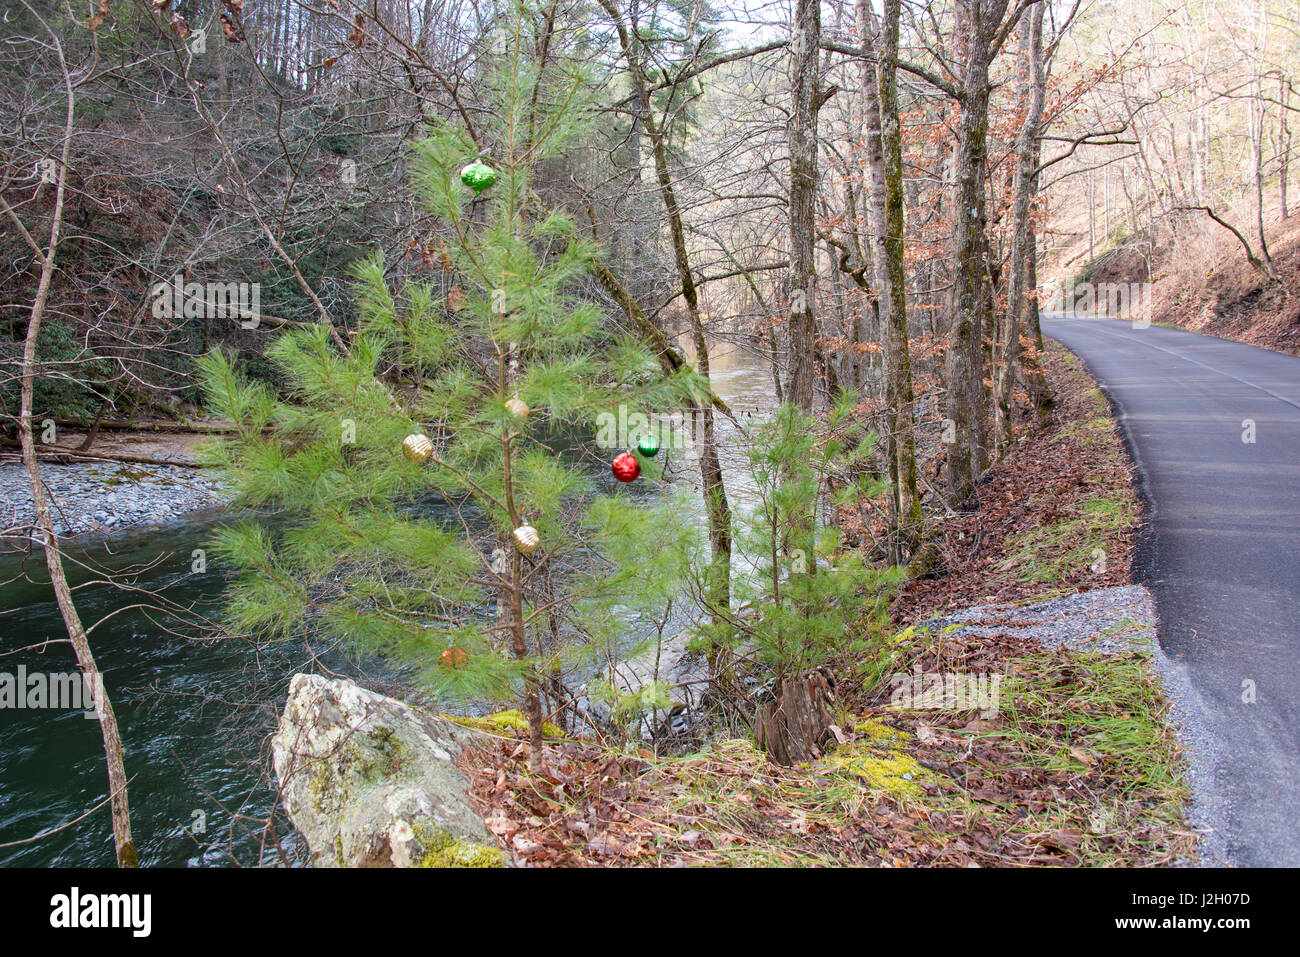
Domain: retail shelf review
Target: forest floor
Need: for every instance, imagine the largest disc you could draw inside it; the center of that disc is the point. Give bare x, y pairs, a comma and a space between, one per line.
1046, 741
1057, 516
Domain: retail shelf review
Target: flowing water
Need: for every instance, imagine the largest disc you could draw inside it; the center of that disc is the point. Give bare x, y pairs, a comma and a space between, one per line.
194, 715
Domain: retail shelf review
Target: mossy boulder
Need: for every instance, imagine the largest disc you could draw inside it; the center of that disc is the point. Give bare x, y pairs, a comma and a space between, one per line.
372, 782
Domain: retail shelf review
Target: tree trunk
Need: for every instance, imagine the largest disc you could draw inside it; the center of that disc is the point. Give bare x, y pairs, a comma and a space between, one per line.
805, 93
1283, 142
963, 360
1040, 393
965, 403
1032, 91
985, 333
519, 644
514, 596
885, 185
1257, 154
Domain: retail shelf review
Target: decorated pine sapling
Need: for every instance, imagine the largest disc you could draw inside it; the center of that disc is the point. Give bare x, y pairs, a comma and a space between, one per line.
427, 516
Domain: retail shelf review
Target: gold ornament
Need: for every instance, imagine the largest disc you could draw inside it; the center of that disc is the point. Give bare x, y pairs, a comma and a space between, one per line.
518, 406
417, 447
526, 539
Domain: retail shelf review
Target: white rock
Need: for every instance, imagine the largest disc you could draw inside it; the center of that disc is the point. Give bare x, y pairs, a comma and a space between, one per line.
372, 782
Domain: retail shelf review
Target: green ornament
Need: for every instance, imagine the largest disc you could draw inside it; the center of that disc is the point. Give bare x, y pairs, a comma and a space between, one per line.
478, 176
648, 444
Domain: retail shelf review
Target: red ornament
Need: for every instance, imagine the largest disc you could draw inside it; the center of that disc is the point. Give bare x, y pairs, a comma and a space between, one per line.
454, 657
625, 467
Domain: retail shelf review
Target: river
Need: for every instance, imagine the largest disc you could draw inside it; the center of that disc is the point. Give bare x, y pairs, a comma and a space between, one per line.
194, 715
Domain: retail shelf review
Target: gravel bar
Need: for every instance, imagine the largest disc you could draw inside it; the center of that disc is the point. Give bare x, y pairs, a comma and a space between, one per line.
100, 498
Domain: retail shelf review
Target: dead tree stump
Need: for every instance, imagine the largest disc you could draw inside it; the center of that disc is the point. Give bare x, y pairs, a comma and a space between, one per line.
797, 725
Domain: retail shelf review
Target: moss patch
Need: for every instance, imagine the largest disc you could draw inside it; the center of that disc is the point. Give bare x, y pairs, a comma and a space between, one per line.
502, 721
336, 779
443, 850
880, 759
385, 760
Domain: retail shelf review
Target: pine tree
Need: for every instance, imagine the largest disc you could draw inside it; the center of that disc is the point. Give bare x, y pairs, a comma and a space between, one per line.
814, 594
495, 366
818, 603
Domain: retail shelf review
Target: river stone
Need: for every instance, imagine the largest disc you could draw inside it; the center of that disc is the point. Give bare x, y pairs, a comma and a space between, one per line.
371, 782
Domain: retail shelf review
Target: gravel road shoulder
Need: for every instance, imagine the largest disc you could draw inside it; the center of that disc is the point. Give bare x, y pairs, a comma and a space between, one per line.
1112, 621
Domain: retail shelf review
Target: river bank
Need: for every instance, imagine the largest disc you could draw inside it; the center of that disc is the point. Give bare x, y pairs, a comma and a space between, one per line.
90, 499
134, 478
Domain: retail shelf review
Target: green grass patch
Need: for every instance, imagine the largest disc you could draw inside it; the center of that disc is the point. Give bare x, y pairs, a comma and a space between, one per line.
1088, 431
1049, 553
1098, 723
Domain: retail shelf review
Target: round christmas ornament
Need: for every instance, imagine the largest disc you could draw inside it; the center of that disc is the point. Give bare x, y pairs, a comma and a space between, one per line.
417, 447
478, 176
625, 467
526, 539
453, 657
648, 444
518, 406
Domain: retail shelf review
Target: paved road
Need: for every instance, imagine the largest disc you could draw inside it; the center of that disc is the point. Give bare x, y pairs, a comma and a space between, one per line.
1222, 556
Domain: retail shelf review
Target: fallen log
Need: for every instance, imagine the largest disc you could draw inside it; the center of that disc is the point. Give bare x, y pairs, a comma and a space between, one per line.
123, 425
58, 453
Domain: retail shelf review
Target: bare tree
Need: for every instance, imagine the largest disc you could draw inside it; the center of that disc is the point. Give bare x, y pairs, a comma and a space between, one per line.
885, 157
1033, 90
117, 781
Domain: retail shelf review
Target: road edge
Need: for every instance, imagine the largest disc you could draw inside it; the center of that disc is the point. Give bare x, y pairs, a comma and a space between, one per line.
1207, 811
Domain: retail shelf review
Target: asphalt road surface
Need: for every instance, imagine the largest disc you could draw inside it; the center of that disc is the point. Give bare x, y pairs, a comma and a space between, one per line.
1214, 427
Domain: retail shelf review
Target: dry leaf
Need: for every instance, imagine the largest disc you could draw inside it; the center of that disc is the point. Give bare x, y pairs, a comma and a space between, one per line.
501, 826
1083, 757
233, 33
525, 845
